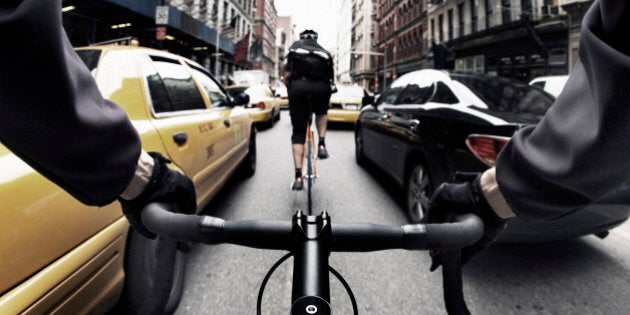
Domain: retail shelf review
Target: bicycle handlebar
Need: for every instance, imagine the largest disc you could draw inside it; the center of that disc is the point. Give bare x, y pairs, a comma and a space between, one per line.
277, 235
311, 239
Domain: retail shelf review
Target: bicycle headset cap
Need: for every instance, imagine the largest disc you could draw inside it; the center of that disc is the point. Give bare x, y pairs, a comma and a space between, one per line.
308, 34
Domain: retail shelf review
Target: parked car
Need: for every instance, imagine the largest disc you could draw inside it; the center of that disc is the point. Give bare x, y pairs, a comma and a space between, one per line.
263, 107
60, 256
346, 103
429, 124
551, 84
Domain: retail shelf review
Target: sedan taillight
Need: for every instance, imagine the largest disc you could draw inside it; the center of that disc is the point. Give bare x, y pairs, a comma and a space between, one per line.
485, 147
260, 105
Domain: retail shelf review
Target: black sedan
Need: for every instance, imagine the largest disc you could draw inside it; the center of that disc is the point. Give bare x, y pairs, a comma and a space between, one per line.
430, 124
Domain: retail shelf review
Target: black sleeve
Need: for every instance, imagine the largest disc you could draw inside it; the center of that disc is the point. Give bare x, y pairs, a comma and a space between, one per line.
51, 113
581, 148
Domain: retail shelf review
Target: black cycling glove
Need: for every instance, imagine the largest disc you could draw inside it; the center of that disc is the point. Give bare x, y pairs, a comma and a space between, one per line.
467, 197
166, 186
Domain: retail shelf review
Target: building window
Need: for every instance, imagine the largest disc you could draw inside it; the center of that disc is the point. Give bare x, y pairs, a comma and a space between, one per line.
488, 5
450, 24
557, 56
440, 23
460, 14
506, 10
473, 16
526, 7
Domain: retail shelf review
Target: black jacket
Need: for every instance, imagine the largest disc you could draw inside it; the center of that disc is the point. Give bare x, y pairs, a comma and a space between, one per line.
323, 62
581, 149
51, 113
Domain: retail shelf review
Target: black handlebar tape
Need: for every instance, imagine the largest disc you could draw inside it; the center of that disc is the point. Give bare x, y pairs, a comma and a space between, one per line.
176, 226
373, 237
257, 234
467, 230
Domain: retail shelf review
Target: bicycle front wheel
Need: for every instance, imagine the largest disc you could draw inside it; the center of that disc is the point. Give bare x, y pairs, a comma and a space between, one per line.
309, 174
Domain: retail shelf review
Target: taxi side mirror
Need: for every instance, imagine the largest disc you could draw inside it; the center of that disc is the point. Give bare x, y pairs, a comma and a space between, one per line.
241, 98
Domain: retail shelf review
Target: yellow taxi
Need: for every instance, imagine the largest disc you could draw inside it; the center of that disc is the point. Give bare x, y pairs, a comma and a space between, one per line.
345, 104
59, 256
263, 107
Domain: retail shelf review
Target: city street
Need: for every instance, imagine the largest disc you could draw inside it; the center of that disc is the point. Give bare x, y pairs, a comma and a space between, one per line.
580, 276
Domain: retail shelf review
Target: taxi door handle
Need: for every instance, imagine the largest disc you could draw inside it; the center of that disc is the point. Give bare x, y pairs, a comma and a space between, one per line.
227, 122
180, 137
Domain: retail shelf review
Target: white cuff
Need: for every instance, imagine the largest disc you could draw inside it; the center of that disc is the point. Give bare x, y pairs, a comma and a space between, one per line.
141, 177
490, 189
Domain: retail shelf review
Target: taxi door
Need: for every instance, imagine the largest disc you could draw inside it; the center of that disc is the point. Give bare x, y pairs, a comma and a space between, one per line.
191, 133
231, 145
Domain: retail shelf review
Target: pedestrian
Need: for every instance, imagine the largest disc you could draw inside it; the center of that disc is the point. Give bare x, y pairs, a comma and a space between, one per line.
309, 77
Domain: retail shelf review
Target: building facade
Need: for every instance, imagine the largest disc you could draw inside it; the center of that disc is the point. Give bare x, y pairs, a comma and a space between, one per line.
342, 53
363, 33
401, 38
206, 31
230, 18
575, 10
522, 39
284, 38
263, 48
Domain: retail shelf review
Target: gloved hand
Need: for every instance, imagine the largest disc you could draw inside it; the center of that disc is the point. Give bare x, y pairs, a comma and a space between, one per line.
459, 198
165, 186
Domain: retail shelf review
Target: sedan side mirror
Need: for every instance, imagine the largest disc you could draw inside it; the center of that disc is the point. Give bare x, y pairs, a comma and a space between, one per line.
367, 100
241, 98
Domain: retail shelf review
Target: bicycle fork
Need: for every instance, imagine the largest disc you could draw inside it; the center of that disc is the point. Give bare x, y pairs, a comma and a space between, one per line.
311, 249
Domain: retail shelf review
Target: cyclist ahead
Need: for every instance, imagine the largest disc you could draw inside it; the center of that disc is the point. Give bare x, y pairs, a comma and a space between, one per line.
309, 77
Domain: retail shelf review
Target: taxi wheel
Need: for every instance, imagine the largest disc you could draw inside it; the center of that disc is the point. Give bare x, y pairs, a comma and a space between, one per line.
248, 168
149, 263
272, 119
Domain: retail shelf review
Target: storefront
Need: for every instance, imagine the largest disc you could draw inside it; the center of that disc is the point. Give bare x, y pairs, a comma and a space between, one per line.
514, 52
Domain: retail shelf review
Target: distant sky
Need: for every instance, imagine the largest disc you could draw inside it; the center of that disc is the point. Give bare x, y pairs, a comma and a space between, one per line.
319, 15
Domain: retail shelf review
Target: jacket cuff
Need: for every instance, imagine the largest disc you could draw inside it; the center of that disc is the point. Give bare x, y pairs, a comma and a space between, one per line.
490, 189
140, 178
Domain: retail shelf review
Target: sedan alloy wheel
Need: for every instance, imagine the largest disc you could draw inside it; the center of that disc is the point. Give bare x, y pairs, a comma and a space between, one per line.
419, 191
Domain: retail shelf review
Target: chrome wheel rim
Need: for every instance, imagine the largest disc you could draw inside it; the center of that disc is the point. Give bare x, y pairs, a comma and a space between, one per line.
418, 193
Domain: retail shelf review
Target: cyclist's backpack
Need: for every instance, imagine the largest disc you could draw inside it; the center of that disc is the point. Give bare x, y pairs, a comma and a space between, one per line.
313, 65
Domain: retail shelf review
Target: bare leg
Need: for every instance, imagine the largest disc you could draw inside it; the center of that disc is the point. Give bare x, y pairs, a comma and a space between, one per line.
321, 121
298, 154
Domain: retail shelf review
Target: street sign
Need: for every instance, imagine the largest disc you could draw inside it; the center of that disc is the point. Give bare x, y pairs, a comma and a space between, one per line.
161, 15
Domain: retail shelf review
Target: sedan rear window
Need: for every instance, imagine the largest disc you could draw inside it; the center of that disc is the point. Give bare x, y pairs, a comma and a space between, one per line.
507, 95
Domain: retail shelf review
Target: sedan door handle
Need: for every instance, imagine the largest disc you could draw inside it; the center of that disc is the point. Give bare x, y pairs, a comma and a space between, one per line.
383, 116
180, 138
413, 124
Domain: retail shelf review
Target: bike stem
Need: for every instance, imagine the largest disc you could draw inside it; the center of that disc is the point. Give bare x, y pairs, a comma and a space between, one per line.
311, 249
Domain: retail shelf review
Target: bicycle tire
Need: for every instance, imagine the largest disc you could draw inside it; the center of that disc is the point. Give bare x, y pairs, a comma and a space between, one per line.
309, 174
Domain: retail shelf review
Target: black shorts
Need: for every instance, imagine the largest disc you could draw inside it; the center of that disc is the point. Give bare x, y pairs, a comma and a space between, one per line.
306, 97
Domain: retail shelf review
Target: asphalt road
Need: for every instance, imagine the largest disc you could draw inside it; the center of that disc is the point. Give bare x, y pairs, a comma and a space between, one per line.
579, 276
